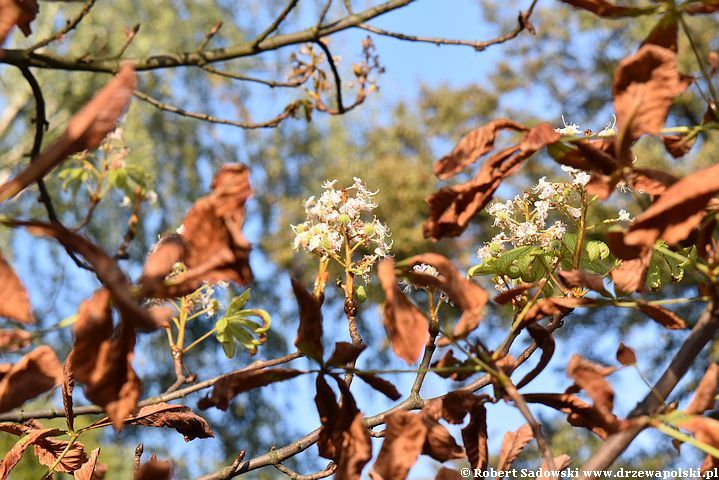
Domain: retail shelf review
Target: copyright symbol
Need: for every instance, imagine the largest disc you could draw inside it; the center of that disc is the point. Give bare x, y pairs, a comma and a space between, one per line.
465, 472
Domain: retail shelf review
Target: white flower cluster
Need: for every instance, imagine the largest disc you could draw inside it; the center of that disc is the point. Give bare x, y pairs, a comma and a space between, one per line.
204, 298
523, 220
575, 130
336, 217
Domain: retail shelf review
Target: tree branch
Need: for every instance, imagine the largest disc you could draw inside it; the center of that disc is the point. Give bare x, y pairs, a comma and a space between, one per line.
702, 333
196, 58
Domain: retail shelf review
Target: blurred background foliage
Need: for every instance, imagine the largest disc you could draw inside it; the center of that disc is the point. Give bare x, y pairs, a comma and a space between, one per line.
390, 142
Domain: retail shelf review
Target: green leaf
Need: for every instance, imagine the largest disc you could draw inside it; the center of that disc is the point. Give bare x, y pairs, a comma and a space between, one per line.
236, 326
597, 250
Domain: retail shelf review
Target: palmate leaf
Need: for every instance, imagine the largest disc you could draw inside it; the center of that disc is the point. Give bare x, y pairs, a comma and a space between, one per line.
236, 326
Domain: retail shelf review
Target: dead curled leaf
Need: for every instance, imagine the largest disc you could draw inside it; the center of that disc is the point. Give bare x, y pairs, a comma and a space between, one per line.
451, 208
407, 436
232, 384
472, 146
85, 131
677, 212
35, 373
343, 436
461, 369
16, 303
582, 279
178, 417
645, 85
552, 306
154, 470
345, 353
508, 295
87, 470
102, 359
545, 341
45, 448
475, 438
211, 245
466, 295
408, 328
626, 355
590, 377
602, 8
579, 413
309, 332
16, 12
512, 445
380, 384
663, 316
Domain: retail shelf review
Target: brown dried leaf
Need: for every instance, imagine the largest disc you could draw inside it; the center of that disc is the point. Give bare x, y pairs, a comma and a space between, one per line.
106, 269
512, 445
650, 181
451, 208
345, 353
160, 262
606, 9
102, 361
343, 436
16, 303
475, 438
404, 439
466, 295
552, 306
631, 275
35, 373
380, 384
665, 33
68, 385
13, 456
579, 413
472, 146
178, 417
626, 355
448, 360
406, 325
212, 231
231, 385
16, 12
544, 339
663, 316
85, 131
309, 332
87, 470
645, 85
48, 450
14, 340
154, 470
512, 293
453, 406
582, 279
677, 212
705, 395
589, 376
439, 444
678, 146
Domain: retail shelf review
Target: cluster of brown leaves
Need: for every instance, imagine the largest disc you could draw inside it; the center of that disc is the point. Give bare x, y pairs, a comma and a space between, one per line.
406, 324
18, 13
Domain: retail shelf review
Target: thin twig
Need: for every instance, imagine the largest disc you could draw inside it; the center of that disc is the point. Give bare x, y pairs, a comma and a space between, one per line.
71, 25
248, 78
335, 73
273, 122
522, 24
276, 23
326, 472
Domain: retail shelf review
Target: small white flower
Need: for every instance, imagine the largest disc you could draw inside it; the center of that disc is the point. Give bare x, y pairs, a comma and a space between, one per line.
571, 129
425, 269
624, 216
151, 196
610, 129
126, 202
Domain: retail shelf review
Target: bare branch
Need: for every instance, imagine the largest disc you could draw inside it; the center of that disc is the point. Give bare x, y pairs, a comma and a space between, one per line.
273, 122
702, 333
71, 25
172, 60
